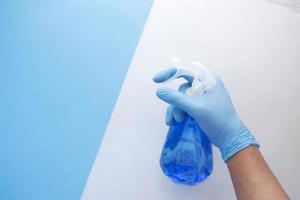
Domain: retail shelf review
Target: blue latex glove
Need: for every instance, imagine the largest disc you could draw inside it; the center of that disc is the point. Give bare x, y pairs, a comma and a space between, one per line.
213, 111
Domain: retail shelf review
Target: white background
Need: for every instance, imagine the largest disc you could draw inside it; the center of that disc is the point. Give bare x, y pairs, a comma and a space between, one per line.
254, 46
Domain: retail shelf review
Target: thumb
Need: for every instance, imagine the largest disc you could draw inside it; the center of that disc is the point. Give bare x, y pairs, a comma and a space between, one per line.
174, 98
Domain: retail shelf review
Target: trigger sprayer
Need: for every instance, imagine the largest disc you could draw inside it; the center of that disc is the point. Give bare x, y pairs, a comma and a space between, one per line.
186, 157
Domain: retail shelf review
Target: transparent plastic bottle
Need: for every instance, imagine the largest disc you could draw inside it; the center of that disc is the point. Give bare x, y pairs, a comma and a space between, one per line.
187, 153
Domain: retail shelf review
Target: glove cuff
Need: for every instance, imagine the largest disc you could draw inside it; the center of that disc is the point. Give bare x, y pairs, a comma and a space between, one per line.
236, 137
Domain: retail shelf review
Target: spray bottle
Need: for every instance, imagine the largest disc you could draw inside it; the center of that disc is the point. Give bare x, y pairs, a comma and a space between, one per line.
186, 157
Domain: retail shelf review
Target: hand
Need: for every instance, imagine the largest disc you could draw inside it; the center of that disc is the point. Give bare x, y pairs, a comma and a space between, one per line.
213, 111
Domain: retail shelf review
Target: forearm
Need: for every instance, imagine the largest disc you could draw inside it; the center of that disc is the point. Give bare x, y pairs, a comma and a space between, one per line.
252, 178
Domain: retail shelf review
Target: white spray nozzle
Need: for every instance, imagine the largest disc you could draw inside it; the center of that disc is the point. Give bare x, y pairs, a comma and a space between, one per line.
203, 78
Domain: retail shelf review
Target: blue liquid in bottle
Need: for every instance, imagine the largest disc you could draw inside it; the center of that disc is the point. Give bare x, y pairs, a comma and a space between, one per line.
187, 153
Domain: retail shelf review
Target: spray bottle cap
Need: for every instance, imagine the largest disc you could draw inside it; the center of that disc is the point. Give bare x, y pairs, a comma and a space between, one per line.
203, 78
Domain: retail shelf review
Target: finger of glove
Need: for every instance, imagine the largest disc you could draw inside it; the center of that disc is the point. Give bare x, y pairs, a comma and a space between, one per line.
167, 74
169, 116
164, 75
174, 98
172, 114
183, 87
178, 114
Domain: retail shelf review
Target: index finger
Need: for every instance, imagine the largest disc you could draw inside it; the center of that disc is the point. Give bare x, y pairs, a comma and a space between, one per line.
167, 74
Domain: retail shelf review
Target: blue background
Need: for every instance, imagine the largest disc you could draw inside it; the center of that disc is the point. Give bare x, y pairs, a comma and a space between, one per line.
62, 64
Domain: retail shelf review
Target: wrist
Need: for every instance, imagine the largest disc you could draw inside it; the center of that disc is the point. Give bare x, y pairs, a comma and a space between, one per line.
235, 137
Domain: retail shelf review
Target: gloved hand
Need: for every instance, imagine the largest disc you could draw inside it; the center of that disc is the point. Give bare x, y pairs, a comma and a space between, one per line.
213, 111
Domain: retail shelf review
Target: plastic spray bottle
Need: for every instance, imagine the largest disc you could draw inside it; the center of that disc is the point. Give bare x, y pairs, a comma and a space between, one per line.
186, 157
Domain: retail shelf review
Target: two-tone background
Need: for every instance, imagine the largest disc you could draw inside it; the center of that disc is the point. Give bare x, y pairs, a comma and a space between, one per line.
78, 114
